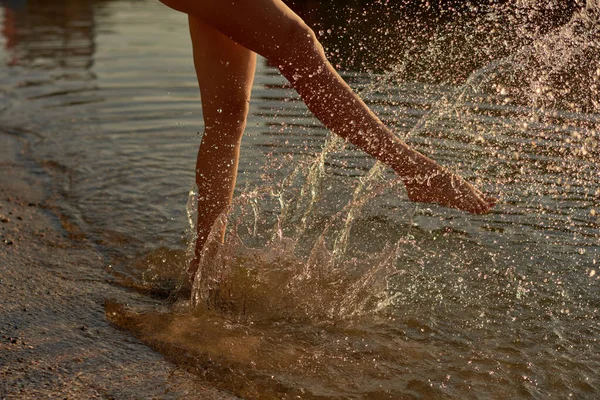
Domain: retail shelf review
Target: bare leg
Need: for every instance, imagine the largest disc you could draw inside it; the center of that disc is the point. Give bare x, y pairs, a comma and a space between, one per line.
225, 72
271, 29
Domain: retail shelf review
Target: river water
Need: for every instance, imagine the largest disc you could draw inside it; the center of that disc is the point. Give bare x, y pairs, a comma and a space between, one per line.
330, 283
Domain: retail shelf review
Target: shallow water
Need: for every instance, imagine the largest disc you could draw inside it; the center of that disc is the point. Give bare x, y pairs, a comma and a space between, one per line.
334, 285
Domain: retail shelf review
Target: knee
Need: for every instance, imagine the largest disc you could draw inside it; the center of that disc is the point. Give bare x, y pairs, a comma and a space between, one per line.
227, 120
298, 41
224, 124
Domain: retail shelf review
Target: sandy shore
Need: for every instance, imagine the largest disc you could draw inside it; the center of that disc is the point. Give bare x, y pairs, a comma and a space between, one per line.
54, 339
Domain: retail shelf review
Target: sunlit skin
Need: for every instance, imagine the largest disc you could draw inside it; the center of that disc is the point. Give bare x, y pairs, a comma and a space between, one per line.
226, 36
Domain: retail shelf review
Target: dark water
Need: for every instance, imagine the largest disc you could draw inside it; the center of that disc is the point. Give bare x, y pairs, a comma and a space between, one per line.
331, 284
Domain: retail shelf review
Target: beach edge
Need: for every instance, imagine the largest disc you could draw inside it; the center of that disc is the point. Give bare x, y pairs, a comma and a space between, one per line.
54, 337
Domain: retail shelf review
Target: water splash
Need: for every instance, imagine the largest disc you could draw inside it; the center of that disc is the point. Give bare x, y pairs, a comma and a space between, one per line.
285, 278
525, 82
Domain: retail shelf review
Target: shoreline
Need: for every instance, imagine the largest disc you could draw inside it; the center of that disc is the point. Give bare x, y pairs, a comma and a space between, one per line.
54, 337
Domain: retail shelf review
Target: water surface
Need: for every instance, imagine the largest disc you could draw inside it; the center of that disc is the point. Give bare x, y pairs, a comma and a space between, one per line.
331, 283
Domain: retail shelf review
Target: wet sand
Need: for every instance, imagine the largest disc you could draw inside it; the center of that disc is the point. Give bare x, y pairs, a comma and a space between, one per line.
55, 341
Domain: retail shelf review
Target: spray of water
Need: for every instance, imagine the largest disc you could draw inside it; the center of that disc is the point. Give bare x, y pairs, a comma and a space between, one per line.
326, 278
284, 278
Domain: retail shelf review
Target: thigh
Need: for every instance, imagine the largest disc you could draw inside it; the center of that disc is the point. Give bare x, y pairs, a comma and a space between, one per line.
263, 26
225, 71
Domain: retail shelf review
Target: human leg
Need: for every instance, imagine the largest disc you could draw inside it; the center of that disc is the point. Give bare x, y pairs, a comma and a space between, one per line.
225, 72
271, 29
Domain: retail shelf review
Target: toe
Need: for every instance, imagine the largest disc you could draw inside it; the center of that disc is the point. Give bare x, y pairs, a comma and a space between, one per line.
480, 209
481, 206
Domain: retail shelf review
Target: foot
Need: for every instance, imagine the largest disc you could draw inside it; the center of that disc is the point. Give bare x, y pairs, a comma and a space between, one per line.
184, 289
209, 253
442, 187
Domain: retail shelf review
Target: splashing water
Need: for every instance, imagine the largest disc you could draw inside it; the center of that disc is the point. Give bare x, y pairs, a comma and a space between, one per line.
535, 83
284, 278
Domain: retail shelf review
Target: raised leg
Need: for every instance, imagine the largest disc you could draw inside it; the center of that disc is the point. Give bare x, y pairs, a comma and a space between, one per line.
225, 72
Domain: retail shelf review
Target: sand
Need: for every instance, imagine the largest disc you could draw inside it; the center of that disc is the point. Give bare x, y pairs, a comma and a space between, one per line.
55, 341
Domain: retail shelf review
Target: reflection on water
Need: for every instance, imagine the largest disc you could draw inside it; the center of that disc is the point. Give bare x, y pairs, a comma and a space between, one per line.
57, 35
330, 283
